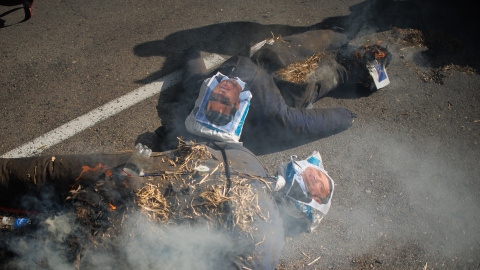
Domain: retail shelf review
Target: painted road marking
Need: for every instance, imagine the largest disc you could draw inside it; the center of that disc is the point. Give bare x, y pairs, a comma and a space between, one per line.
101, 113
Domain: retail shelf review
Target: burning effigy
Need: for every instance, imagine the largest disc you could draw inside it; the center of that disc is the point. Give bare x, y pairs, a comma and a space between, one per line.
216, 194
367, 64
202, 206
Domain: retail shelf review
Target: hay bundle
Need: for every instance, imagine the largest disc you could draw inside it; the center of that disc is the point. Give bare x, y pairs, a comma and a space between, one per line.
208, 202
214, 197
410, 37
152, 202
298, 72
186, 153
245, 201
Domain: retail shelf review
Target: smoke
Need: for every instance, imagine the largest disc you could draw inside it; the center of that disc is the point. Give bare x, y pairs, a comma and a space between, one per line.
361, 20
443, 204
329, 74
417, 191
141, 244
180, 247
46, 247
60, 226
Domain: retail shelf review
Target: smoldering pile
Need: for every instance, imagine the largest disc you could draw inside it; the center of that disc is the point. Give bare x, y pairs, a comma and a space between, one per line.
445, 53
203, 218
211, 194
175, 195
356, 59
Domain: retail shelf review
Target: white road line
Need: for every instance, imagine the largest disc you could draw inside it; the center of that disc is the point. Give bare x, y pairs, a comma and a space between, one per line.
103, 112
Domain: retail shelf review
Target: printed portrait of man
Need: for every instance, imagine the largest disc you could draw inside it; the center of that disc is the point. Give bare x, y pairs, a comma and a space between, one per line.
381, 72
316, 185
224, 102
221, 108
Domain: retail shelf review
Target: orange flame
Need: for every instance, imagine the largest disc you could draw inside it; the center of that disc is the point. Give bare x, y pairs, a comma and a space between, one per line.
380, 55
357, 56
112, 207
90, 169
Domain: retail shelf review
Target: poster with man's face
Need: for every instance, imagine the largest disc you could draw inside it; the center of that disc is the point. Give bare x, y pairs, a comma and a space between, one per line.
224, 103
310, 185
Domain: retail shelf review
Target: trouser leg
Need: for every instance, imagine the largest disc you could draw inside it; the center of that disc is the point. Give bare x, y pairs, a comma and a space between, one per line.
270, 115
28, 8
58, 174
194, 69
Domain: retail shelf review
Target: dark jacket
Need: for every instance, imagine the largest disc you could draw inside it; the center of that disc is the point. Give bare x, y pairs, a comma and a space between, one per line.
278, 107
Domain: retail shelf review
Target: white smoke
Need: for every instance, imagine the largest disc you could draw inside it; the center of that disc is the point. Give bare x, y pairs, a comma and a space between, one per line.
141, 244
60, 226
410, 192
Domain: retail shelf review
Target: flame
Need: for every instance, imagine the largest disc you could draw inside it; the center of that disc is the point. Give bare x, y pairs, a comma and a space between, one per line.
112, 207
380, 54
357, 56
90, 169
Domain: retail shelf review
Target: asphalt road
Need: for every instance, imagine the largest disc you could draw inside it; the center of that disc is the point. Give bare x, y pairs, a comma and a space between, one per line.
406, 173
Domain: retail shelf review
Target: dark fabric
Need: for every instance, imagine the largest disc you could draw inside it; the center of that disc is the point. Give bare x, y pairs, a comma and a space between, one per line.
296, 95
292, 49
275, 111
21, 176
268, 238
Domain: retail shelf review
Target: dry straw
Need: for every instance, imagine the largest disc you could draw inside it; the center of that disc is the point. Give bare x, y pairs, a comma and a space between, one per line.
209, 196
298, 72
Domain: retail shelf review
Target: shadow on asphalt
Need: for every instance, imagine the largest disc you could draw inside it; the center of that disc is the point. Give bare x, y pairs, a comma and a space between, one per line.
232, 37
368, 17
10, 3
